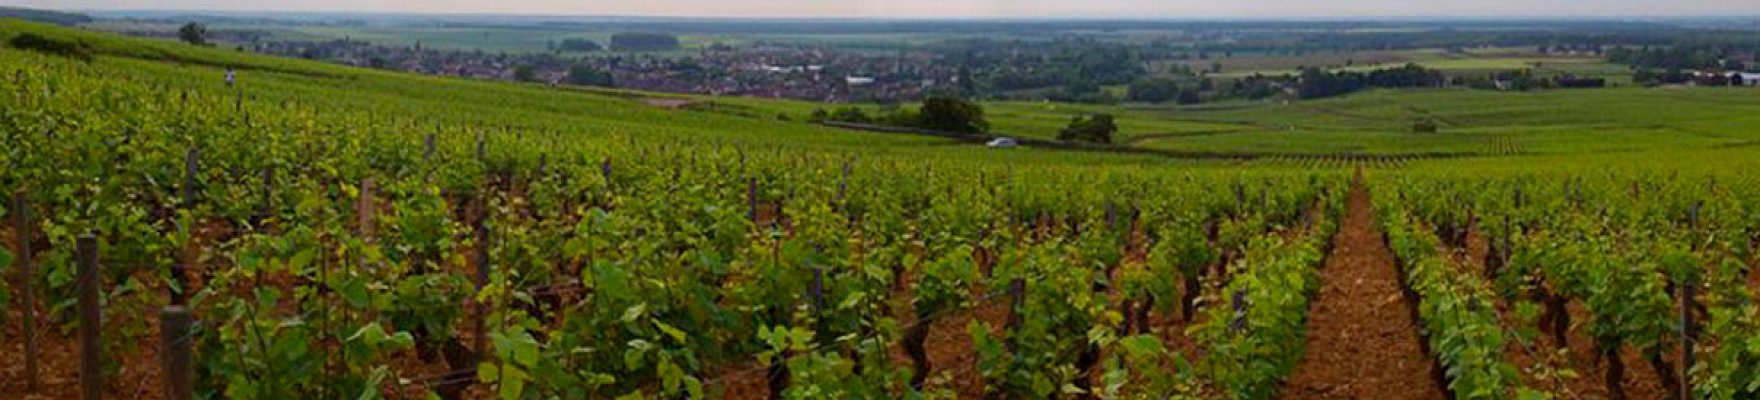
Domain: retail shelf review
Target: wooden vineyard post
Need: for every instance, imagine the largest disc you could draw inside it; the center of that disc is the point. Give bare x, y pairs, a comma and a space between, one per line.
364, 210
27, 274
482, 147
817, 291
816, 294
843, 187
779, 376
1518, 197
1265, 196
1017, 291
266, 209
428, 148
1240, 197
1689, 292
1017, 300
481, 232
90, 371
1689, 335
175, 322
752, 200
191, 167
175, 319
1239, 303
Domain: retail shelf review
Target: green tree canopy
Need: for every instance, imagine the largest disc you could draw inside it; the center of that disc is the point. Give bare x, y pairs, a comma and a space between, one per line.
193, 33
1152, 91
1096, 128
587, 75
953, 115
525, 73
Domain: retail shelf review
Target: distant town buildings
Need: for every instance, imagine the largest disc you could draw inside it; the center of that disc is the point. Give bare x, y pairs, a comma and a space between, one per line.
765, 70
1745, 79
1726, 78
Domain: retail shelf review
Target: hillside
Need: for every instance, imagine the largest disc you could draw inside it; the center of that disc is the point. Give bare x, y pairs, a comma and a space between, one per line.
46, 16
590, 112
1478, 122
358, 222
320, 231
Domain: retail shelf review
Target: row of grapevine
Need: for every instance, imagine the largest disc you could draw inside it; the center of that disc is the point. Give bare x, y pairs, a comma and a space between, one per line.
332, 252
1661, 263
1460, 323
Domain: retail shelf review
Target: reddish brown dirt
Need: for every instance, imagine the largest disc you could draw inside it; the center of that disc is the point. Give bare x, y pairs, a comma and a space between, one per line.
58, 352
1754, 274
747, 381
953, 357
1172, 332
1529, 357
1362, 341
1641, 380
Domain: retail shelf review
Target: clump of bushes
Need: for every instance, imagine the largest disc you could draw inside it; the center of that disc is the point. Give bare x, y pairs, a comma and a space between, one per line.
1425, 126
944, 114
51, 46
1097, 128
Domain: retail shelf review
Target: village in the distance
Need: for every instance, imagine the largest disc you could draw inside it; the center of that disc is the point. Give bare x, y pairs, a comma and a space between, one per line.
1101, 62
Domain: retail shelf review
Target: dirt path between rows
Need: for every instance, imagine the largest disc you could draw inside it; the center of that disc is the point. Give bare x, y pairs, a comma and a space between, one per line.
1362, 340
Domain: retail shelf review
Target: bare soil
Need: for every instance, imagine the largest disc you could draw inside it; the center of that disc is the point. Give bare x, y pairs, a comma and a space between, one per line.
1362, 340
1641, 380
58, 349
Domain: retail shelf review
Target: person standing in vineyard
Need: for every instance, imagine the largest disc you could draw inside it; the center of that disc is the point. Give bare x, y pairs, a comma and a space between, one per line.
231, 77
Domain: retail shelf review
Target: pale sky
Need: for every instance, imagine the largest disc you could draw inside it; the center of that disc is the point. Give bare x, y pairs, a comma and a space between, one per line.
1048, 9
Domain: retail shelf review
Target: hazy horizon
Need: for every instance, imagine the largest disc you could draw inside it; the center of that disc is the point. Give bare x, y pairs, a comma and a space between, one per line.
945, 9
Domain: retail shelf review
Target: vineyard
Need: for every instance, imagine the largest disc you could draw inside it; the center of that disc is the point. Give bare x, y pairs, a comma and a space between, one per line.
314, 231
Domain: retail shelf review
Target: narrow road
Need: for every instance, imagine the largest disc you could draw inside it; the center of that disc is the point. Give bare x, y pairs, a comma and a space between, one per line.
1362, 340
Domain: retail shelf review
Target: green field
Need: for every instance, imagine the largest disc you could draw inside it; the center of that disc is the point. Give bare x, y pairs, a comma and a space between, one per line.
352, 233
1475, 122
1380, 121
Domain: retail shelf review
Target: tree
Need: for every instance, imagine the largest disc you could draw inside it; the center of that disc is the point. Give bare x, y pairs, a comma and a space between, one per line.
193, 33
525, 73
1097, 128
1425, 125
45, 45
1644, 76
587, 75
953, 115
852, 115
1189, 96
1081, 92
1152, 91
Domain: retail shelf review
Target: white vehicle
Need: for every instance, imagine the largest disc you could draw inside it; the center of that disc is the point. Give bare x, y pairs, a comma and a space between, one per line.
1003, 142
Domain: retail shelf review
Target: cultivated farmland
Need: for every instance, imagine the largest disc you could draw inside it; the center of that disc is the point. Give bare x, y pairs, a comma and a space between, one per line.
317, 231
